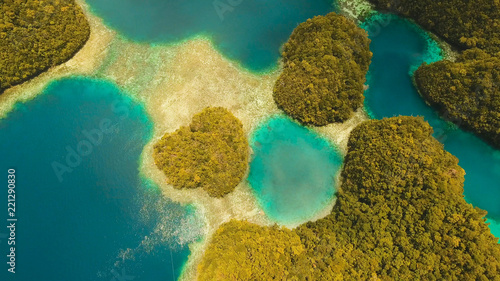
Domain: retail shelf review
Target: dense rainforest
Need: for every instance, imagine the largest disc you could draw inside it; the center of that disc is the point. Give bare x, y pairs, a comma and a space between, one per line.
466, 92
464, 24
211, 153
36, 35
400, 215
245, 251
325, 62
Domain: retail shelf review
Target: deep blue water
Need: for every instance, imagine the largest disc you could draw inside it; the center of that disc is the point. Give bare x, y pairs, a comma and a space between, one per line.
78, 225
292, 171
398, 48
250, 32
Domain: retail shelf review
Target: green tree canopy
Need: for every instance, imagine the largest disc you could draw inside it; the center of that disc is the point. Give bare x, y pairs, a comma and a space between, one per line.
466, 92
400, 212
325, 63
243, 251
36, 35
400, 215
464, 24
212, 153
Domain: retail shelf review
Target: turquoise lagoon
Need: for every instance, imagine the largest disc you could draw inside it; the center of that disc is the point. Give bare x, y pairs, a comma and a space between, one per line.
399, 47
83, 210
293, 171
250, 32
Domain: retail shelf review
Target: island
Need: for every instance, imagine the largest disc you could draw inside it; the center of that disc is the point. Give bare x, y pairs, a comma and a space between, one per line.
465, 92
325, 62
400, 215
211, 153
37, 35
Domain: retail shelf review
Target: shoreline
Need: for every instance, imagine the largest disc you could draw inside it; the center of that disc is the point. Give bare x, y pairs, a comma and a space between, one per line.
84, 62
174, 82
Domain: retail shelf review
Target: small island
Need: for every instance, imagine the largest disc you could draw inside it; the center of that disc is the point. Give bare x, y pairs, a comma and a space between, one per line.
211, 153
463, 24
325, 63
38, 35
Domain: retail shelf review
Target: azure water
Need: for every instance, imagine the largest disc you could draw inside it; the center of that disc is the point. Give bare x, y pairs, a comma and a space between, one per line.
83, 210
399, 47
250, 32
293, 171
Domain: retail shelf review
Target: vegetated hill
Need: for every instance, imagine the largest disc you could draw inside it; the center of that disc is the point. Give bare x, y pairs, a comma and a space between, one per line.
325, 63
400, 215
212, 153
466, 92
36, 35
464, 24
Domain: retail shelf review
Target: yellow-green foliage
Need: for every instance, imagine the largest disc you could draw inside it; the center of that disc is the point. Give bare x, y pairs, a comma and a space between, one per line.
400, 215
466, 92
243, 251
325, 63
36, 35
464, 24
212, 153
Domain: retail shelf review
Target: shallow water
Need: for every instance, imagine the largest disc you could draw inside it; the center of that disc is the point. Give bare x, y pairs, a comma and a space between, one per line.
250, 32
292, 171
398, 48
84, 212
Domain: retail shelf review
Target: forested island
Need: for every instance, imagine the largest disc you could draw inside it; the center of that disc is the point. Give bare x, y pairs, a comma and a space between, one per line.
325, 63
464, 24
400, 215
466, 92
211, 153
36, 35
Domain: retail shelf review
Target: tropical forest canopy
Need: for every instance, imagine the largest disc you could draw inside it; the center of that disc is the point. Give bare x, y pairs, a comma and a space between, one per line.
464, 24
211, 153
400, 215
466, 92
36, 35
325, 63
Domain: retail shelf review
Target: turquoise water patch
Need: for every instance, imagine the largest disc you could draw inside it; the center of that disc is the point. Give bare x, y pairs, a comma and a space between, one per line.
250, 32
399, 47
293, 171
83, 210
495, 227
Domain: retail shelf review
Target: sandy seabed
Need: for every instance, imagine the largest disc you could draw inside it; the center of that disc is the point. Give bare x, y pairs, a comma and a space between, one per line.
174, 82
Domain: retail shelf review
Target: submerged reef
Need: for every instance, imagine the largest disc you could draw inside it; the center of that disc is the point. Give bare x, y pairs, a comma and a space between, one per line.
464, 24
212, 153
36, 35
325, 63
400, 215
466, 92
